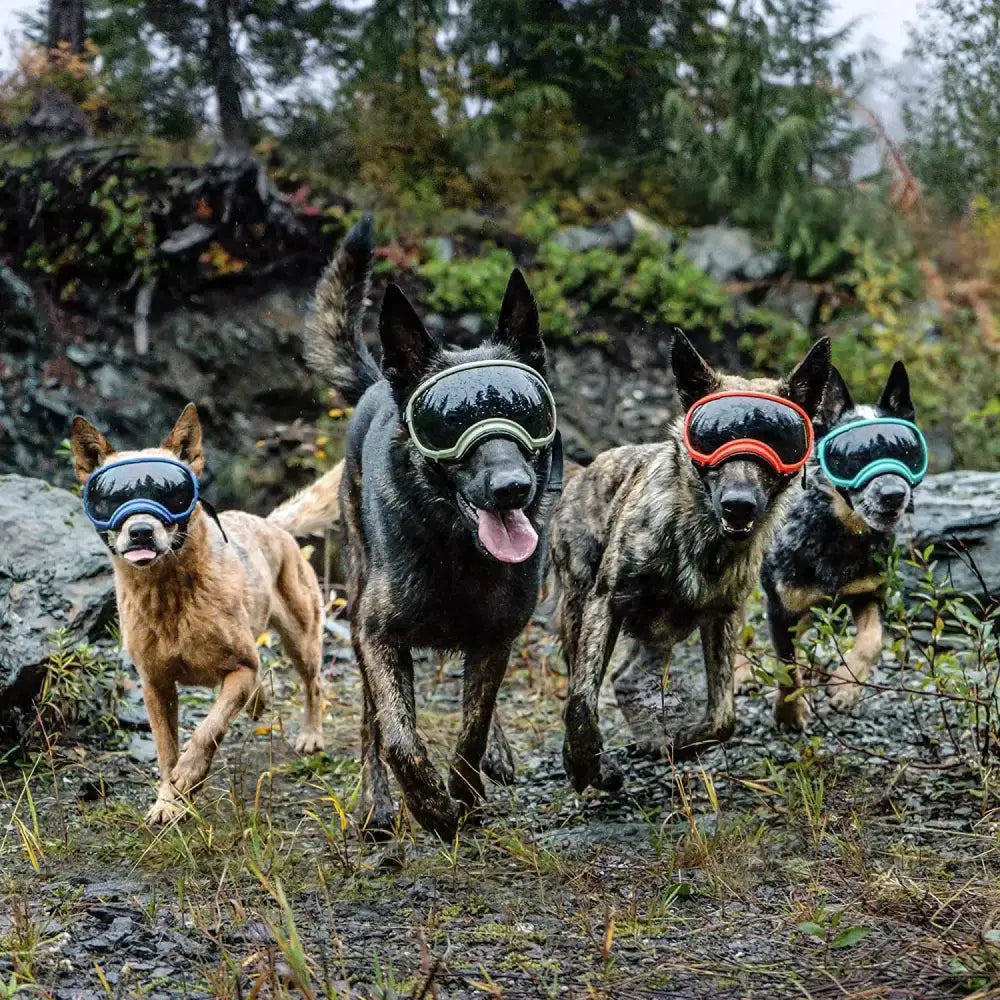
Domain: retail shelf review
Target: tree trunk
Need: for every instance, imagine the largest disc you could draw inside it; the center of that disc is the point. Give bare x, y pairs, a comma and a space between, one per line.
224, 70
66, 24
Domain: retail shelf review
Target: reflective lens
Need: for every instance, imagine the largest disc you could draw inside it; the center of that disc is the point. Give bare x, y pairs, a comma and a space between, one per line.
773, 422
161, 481
847, 453
451, 411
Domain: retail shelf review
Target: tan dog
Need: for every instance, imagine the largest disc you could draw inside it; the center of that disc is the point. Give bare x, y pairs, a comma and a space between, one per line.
191, 605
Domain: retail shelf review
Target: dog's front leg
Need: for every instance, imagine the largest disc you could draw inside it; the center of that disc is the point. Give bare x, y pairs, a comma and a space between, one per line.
376, 813
161, 707
238, 685
846, 683
483, 673
718, 643
388, 674
583, 748
791, 710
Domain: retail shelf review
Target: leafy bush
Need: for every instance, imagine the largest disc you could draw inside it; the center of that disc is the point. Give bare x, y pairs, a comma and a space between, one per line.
468, 286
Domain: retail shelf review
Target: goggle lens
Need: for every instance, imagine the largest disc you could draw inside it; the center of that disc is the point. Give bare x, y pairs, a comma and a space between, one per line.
163, 482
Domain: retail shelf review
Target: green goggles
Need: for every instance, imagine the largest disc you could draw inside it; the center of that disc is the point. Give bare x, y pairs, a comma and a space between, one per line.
856, 453
455, 409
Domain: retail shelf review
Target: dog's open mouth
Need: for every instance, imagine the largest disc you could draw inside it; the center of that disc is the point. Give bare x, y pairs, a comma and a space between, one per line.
737, 530
507, 535
139, 557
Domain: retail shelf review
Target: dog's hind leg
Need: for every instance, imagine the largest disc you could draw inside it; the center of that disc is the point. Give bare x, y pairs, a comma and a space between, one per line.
388, 674
718, 643
847, 681
639, 691
376, 814
791, 710
591, 647
298, 620
483, 674
498, 761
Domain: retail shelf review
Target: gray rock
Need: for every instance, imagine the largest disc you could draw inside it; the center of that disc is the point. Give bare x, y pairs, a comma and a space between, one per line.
627, 228
54, 574
796, 299
188, 238
442, 248
472, 324
765, 264
963, 508
20, 319
722, 252
580, 239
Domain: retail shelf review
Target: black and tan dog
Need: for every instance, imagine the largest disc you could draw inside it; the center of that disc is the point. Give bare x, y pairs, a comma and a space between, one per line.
440, 554
835, 544
192, 599
644, 543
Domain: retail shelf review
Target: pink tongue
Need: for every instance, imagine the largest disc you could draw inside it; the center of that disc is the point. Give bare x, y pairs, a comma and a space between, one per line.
138, 555
508, 535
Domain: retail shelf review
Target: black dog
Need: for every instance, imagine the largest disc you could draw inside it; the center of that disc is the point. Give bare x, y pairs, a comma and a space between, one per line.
836, 546
440, 554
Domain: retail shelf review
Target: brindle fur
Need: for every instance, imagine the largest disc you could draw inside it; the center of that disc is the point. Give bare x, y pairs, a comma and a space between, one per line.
836, 548
416, 574
193, 615
638, 547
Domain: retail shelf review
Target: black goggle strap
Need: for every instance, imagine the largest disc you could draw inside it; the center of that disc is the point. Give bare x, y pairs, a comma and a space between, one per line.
210, 510
555, 483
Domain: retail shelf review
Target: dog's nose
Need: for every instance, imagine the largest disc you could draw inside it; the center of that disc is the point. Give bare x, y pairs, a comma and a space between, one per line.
739, 508
140, 533
892, 493
510, 490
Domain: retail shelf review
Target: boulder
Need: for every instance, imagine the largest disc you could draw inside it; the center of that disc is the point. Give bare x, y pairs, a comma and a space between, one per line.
796, 299
54, 575
963, 509
618, 236
722, 252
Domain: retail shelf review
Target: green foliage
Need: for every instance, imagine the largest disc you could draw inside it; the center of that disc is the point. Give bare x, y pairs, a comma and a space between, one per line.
670, 289
468, 286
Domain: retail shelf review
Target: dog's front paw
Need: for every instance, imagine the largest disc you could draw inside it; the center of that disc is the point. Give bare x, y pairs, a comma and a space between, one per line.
442, 818
189, 772
309, 741
693, 740
844, 694
167, 808
790, 714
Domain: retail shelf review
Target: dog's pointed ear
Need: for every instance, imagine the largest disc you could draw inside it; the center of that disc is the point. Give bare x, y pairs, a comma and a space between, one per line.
185, 439
896, 395
407, 347
693, 375
90, 448
518, 327
806, 384
836, 402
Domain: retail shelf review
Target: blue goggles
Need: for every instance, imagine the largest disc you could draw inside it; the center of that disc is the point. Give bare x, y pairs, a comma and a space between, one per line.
165, 488
856, 453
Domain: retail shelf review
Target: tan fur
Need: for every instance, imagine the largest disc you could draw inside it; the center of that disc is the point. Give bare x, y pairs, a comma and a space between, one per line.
846, 683
193, 616
850, 518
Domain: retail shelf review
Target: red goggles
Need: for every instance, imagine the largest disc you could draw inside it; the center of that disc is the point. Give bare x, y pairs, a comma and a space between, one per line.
756, 424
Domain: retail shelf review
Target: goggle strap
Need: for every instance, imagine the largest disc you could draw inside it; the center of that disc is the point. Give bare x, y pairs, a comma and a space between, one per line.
210, 510
555, 483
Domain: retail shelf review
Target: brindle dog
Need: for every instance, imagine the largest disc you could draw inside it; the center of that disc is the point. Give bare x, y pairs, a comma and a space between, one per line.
644, 543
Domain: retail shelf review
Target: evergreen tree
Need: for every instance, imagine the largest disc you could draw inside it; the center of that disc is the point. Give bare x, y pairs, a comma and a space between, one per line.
953, 115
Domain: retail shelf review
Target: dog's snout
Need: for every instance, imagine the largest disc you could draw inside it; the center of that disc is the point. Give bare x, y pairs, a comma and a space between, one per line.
140, 533
892, 493
739, 507
510, 489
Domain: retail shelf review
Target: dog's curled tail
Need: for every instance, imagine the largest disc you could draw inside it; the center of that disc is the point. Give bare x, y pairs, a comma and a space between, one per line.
334, 346
314, 509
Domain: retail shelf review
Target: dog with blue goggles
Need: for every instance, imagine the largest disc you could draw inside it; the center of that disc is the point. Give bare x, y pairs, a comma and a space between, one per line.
162, 487
855, 453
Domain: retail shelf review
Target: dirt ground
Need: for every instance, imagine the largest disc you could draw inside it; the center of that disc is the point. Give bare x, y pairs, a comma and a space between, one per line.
852, 862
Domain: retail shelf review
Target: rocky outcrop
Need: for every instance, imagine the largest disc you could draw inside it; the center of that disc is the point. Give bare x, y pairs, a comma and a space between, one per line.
959, 514
54, 575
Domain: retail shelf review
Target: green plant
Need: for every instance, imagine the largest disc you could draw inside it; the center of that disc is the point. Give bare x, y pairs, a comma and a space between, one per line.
467, 286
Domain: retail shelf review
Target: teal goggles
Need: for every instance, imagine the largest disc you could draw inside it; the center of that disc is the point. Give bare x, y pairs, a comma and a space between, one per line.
856, 453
